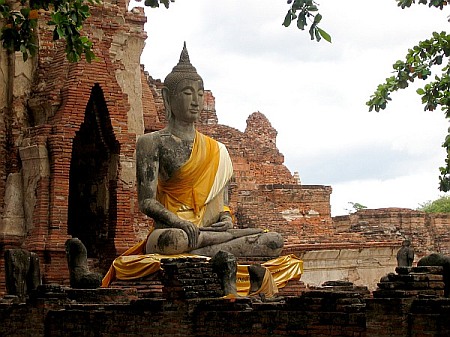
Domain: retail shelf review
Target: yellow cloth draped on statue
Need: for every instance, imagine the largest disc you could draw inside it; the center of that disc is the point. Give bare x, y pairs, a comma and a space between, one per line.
205, 174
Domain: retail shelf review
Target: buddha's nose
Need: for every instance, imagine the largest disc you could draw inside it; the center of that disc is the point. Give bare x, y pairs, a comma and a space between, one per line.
195, 100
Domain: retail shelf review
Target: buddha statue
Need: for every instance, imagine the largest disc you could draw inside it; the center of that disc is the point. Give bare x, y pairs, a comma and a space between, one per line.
182, 179
405, 255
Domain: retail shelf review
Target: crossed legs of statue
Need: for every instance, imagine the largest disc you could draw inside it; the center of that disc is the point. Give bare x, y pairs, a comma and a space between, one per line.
239, 242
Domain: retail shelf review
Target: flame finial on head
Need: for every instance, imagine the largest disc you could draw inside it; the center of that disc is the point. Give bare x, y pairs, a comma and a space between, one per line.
184, 56
183, 70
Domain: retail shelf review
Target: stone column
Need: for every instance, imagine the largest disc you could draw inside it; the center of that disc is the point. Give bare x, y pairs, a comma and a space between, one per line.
13, 220
35, 166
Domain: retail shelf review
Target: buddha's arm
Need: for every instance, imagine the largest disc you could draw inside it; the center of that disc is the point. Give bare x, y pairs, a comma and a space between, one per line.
225, 216
147, 169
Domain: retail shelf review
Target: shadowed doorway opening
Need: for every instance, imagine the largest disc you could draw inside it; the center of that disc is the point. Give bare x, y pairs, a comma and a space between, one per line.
92, 212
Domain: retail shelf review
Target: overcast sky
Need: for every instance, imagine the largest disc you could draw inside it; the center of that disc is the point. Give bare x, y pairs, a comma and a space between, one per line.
313, 93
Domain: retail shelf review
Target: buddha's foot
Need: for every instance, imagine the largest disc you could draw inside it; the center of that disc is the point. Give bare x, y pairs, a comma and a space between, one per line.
256, 245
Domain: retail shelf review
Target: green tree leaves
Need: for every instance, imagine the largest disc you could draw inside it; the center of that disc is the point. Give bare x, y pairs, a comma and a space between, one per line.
356, 206
68, 16
324, 34
441, 205
432, 3
17, 34
304, 11
155, 3
428, 56
68, 20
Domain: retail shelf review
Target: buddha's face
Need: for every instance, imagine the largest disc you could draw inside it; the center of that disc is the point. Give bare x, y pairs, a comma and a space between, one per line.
187, 101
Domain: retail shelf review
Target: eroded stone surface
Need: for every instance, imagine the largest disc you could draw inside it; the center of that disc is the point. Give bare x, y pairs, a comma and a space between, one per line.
80, 276
22, 272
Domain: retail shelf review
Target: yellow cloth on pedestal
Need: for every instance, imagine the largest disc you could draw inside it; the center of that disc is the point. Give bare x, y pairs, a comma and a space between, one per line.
282, 269
136, 250
134, 266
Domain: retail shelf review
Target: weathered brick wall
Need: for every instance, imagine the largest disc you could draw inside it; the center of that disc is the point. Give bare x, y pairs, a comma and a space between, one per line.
260, 129
285, 207
3, 152
316, 313
439, 228
319, 312
68, 88
427, 232
51, 114
153, 106
3, 125
15, 76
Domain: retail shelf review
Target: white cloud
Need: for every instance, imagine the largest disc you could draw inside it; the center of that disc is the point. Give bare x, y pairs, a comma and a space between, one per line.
405, 192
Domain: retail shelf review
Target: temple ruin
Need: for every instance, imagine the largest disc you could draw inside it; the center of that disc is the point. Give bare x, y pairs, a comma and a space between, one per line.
67, 169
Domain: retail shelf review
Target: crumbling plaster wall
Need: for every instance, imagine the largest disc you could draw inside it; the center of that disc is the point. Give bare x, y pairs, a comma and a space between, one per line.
126, 49
362, 247
14, 117
362, 266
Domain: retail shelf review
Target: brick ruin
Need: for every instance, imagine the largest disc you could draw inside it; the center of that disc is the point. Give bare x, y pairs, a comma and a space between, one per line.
67, 141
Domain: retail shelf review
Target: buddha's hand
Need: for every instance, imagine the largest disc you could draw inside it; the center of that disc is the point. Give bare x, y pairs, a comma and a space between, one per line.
191, 231
225, 223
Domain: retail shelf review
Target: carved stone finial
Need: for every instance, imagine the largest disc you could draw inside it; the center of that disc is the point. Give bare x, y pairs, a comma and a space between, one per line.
183, 70
184, 57
184, 64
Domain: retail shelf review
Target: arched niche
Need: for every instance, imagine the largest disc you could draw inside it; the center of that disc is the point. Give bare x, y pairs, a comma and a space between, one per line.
92, 211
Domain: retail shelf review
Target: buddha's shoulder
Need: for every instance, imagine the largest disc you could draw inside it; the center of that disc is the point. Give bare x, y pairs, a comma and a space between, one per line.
153, 137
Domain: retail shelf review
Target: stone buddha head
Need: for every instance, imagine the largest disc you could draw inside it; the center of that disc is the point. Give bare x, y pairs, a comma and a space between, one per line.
183, 91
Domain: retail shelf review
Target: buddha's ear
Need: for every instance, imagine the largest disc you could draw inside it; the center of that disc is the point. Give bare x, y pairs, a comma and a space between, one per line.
165, 95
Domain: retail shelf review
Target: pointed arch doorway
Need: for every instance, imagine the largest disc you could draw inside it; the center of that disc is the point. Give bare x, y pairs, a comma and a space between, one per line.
92, 211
